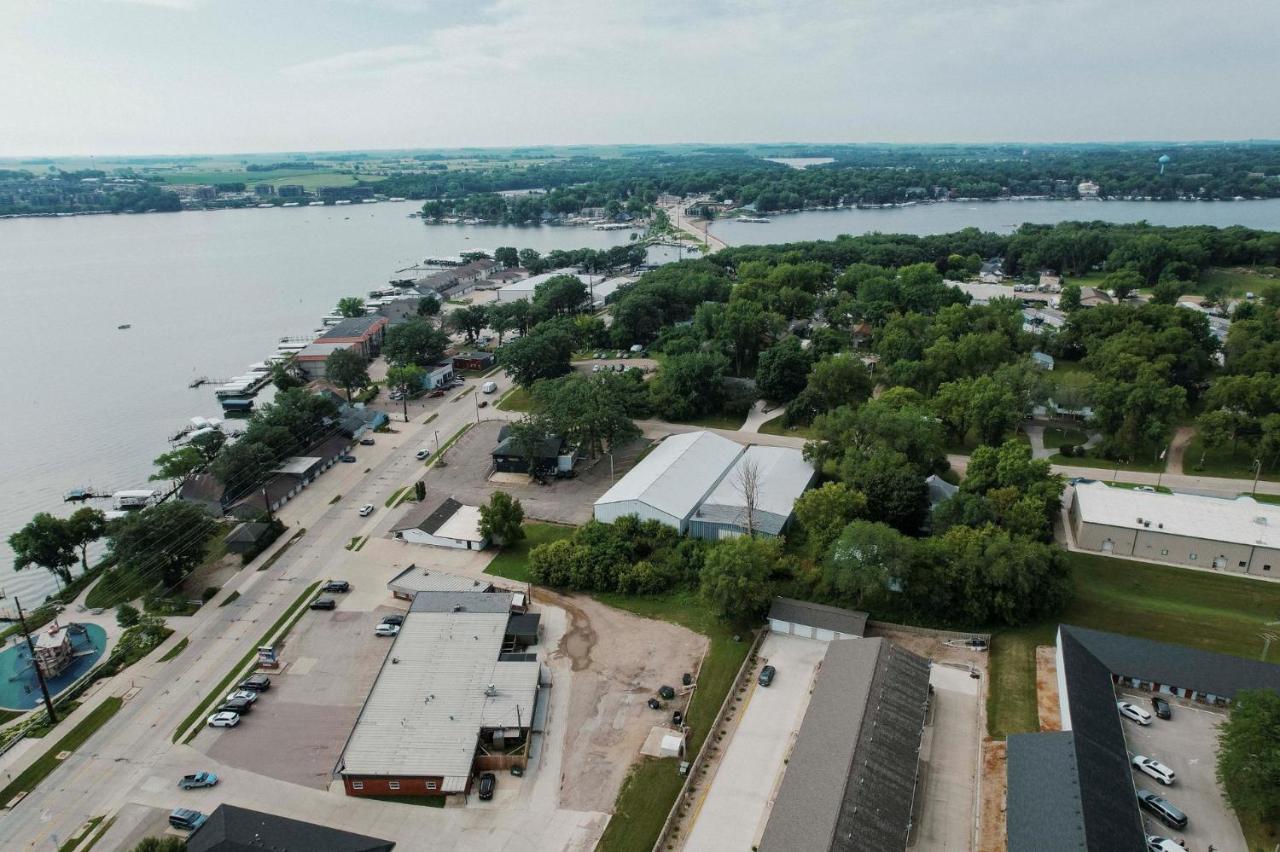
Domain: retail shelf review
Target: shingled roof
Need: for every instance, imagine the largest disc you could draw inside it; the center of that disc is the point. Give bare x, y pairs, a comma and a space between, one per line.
233, 829
850, 781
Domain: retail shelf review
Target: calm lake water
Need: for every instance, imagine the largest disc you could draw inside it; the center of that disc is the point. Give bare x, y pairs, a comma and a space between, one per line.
207, 293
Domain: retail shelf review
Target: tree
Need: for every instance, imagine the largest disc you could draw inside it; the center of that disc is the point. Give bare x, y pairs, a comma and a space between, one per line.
208, 444
165, 542
417, 341
839, 380
543, 353
85, 526
1123, 283
868, 564
45, 541
896, 493
689, 386
346, 368
501, 520
1070, 298
746, 481
737, 576
284, 375
178, 464
419, 491
507, 256
531, 260
502, 317
561, 295
428, 306
160, 844
993, 409
821, 514
469, 320
591, 411
1249, 754
351, 306
783, 370
405, 378
127, 615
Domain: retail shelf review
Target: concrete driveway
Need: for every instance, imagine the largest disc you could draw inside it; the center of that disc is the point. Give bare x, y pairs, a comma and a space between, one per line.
733, 814
948, 764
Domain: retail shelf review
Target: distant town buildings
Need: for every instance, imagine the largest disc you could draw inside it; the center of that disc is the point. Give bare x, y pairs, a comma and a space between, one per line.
1088, 189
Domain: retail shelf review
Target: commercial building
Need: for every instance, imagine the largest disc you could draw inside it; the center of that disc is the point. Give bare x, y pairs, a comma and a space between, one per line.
455, 697
551, 455
473, 361
698, 483
233, 829
524, 289
815, 621
1239, 535
445, 524
1076, 785
850, 782
408, 583
312, 359
363, 334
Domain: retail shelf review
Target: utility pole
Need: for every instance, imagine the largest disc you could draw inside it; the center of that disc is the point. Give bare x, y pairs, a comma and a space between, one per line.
475, 397
1257, 464
266, 501
44, 687
437, 431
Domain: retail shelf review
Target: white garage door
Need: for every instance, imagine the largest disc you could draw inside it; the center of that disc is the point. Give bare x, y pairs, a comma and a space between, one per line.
802, 630
779, 626
824, 635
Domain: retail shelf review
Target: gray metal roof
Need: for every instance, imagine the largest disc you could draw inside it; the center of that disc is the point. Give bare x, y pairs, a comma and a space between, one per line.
414, 580
850, 781
782, 476
677, 474
1043, 802
233, 829
847, 621
354, 326
485, 602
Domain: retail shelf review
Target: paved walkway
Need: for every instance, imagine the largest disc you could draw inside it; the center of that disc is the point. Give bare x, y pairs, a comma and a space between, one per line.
1178, 449
759, 415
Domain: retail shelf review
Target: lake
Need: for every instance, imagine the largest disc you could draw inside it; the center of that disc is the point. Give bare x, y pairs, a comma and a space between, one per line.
999, 216
207, 294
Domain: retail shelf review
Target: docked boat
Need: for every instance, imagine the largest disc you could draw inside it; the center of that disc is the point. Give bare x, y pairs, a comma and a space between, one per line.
124, 325
761, 220
316, 204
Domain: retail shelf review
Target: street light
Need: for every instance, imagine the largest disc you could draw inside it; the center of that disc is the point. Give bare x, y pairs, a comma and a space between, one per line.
1267, 639
1257, 465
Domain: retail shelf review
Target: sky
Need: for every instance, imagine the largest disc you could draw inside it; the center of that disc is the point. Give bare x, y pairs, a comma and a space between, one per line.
113, 77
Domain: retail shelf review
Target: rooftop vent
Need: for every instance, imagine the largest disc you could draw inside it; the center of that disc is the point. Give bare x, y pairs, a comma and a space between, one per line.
491, 690
1260, 519
457, 607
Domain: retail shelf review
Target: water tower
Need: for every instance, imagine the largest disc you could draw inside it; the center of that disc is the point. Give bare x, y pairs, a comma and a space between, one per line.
1163, 161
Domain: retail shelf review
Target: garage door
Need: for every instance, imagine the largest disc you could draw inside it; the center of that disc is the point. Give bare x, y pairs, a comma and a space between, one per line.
802, 630
779, 626
824, 635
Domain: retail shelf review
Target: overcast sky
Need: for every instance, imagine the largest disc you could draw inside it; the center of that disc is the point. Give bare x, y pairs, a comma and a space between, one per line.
209, 76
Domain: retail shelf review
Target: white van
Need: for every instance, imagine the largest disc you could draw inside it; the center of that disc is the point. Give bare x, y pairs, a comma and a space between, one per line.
489, 387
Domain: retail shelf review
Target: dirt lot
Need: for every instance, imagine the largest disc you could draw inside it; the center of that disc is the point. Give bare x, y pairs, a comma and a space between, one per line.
618, 661
297, 728
563, 501
993, 837
1047, 688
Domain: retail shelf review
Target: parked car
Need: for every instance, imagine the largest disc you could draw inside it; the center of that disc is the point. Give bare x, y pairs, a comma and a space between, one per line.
1162, 708
393, 619
1162, 809
337, 586
244, 695
766, 675
197, 780
423, 453
1154, 768
224, 719
1147, 488
484, 403
258, 683
366, 510
488, 783
348, 458
324, 603
489, 387
1156, 843
436, 394
386, 630
367, 441
239, 707
1133, 713
186, 819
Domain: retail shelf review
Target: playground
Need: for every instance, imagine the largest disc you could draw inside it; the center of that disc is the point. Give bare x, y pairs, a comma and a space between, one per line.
19, 688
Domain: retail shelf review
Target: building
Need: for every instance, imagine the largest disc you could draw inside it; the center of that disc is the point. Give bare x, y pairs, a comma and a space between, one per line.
305, 469
248, 536
53, 650
1092, 297
454, 698
473, 361
776, 475
815, 621
1042, 360
525, 289
850, 782
447, 524
1076, 785
695, 482
363, 334
1088, 189
457, 280
551, 455
207, 492
264, 190
233, 829
1239, 535
291, 190
312, 360
412, 580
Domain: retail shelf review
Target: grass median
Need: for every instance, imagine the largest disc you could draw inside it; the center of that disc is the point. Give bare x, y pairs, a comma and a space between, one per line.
282, 625
177, 649
47, 762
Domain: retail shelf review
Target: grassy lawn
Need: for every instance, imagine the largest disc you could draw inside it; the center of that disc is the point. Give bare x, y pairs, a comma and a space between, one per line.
271, 560
1135, 485
1236, 281
516, 399
1223, 461
1155, 466
513, 561
653, 784
179, 648
88, 829
971, 442
395, 495
1055, 437
76, 737
1209, 611
729, 423
776, 427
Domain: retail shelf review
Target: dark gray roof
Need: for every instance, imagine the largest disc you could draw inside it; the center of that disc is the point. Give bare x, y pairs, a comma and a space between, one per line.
202, 486
1043, 801
247, 533
423, 517
523, 624
848, 621
549, 449
1176, 665
233, 829
461, 602
353, 327
850, 781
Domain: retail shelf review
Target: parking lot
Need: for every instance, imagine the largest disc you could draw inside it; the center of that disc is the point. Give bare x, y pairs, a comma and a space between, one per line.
297, 729
465, 477
1187, 744
733, 814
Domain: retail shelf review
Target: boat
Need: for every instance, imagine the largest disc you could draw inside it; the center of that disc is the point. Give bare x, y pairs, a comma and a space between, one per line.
290, 204
124, 325
315, 204
343, 201
762, 220
396, 198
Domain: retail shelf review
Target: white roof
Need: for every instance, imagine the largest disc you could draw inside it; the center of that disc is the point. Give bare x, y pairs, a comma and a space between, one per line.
463, 525
531, 283
414, 579
675, 476
782, 474
1242, 520
427, 709
298, 464
52, 638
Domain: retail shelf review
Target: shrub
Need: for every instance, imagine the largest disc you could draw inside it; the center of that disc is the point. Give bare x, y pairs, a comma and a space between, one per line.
127, 615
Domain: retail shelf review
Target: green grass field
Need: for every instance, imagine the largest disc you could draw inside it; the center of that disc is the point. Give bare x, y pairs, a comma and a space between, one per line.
1154, 466
513, 561
1223, 461
1055, 437
516, 399
727, 422
776, 427
309, 180
1236, 281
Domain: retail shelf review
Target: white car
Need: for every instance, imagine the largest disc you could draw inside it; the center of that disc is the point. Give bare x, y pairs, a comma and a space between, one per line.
1156, 843
243, 694
366, 510
1133, 713
225, 719
1154, 768
423, 453
386, 630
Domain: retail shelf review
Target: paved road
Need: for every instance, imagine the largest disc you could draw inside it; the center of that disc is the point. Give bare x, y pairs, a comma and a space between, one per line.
696, 227
113, 767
